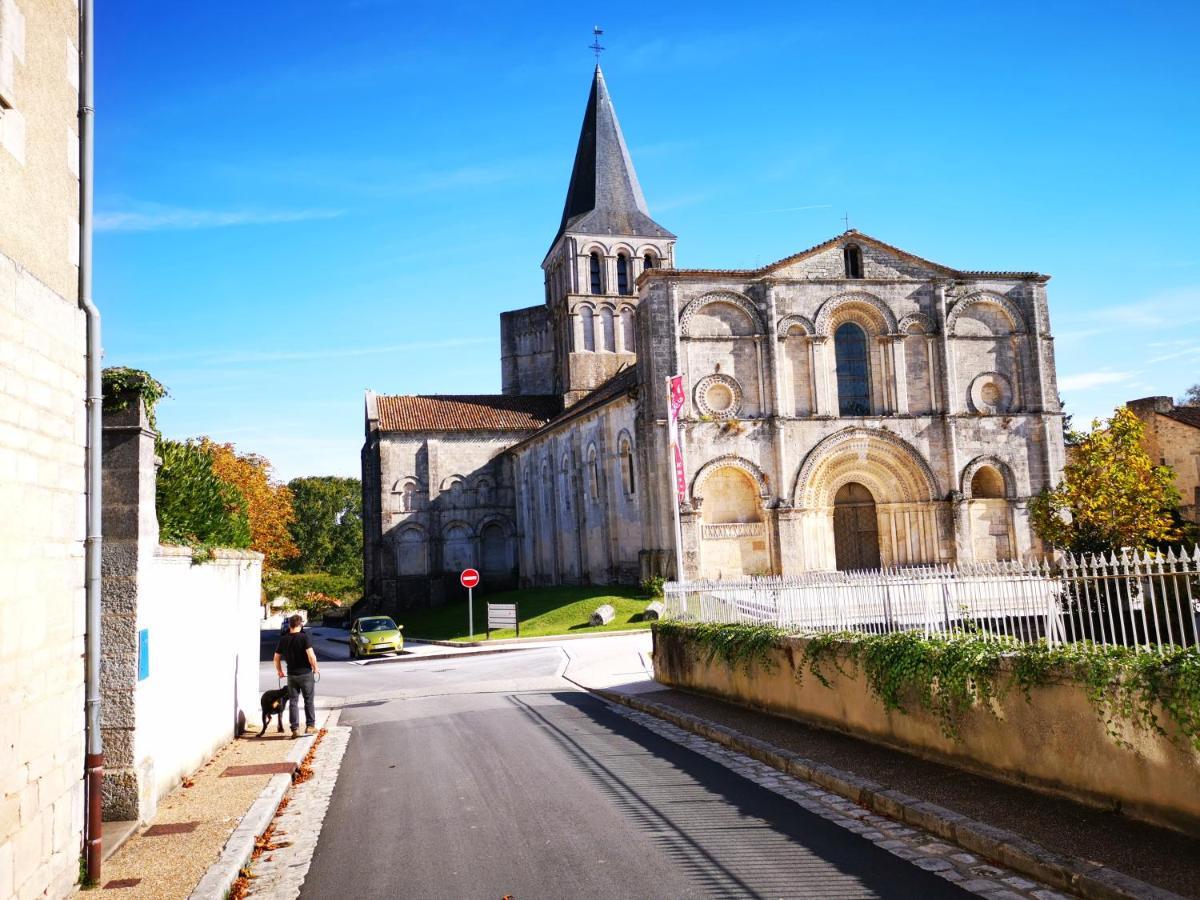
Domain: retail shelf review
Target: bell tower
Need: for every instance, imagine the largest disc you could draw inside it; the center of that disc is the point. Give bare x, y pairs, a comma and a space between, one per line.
606, 239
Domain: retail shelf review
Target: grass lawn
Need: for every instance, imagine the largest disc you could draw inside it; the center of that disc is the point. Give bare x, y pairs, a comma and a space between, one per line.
542, 611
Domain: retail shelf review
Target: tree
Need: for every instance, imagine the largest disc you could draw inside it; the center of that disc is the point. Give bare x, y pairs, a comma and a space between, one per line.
1112, 495
1191, 396
328, 525
268, 503
194, 505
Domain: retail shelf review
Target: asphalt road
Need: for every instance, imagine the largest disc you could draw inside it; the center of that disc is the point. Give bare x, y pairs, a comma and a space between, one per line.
490, 777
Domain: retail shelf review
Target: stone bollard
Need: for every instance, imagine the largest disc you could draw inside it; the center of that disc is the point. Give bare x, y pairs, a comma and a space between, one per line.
653, 612
603, 615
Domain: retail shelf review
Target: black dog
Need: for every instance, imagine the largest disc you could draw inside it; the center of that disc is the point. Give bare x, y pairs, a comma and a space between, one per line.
273, 703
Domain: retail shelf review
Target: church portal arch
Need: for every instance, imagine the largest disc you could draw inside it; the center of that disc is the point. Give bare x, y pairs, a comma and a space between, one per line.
858, 478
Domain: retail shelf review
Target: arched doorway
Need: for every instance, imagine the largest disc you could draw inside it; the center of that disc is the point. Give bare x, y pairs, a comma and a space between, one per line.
733, 533
855, 528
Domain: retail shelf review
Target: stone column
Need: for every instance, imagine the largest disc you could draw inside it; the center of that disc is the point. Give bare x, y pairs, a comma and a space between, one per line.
900, 374
820, 349
130, 537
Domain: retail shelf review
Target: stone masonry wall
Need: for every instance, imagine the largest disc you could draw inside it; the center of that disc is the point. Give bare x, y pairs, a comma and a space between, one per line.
527, 351
1170, 442
41, 594
440, 498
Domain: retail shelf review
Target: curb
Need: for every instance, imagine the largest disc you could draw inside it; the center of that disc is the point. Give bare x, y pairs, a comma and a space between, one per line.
1090, 880
428, 657
238, 849
545, 638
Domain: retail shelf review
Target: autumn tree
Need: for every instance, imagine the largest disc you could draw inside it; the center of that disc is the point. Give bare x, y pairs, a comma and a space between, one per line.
268, 503
328, 525
1111, 496
1191, 397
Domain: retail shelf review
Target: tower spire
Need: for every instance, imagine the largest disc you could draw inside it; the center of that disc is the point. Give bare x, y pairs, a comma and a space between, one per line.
604, 196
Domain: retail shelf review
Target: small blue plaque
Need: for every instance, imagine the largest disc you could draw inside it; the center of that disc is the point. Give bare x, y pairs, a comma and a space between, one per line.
143, 654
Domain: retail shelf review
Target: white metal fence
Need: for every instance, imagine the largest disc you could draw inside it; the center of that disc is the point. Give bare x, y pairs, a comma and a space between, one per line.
1132, 599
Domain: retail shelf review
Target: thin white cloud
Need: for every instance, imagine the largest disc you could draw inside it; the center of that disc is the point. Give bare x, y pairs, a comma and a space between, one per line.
160, 218
1084, 381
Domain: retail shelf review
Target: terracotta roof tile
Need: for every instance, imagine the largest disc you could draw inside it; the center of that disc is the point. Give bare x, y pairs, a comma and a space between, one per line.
466, 412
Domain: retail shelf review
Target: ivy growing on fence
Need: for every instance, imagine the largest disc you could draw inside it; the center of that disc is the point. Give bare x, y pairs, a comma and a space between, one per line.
947, 675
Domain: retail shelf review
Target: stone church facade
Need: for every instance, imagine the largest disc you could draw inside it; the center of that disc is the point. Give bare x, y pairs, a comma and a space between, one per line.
851, 406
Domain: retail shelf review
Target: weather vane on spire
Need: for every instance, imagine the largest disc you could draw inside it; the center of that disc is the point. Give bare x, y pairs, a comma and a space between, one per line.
595, 44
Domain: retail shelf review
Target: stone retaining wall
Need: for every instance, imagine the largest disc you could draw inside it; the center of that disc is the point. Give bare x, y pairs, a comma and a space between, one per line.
1055, 742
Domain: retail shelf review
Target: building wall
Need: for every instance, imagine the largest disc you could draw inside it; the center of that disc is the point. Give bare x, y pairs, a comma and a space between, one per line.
960, 378
442, 502
225, 589
42, 342
527, 351
1175, 444
579, 490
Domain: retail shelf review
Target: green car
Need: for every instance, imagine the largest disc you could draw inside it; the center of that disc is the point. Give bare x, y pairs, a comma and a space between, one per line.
372, 635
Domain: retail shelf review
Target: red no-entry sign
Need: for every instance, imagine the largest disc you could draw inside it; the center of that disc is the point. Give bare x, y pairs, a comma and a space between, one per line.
469, 578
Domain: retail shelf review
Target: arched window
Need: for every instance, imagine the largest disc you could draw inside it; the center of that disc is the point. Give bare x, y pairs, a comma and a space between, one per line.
594, 475
649, 262
594, 271
623, 274
988, 484
627, 328
627, 477
853, 372
408, 497
854, 262
589, 328
608, 330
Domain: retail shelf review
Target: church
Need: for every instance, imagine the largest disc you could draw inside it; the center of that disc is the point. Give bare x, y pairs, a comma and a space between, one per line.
852, 406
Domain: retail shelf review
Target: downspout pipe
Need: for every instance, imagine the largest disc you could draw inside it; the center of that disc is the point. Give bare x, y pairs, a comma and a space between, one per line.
94, 760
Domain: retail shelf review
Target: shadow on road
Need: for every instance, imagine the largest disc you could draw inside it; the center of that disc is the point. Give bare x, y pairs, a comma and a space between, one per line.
735, 838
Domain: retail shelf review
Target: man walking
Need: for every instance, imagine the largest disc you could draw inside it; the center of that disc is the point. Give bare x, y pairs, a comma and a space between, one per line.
301, 671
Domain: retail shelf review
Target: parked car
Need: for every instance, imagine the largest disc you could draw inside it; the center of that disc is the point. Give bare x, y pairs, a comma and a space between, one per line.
373, 635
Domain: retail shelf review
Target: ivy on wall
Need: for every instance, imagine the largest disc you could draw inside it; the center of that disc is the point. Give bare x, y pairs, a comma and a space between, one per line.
121, 385
949, 674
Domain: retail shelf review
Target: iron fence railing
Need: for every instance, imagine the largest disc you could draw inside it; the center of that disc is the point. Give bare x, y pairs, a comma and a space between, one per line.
1129, 599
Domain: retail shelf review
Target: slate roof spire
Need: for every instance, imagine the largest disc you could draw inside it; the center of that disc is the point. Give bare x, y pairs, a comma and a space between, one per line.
604, 196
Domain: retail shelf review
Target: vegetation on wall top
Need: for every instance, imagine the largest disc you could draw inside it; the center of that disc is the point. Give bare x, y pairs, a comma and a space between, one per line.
121, 384
949, 674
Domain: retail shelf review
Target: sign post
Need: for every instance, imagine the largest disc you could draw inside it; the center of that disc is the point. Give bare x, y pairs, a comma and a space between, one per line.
675, 399
470, 580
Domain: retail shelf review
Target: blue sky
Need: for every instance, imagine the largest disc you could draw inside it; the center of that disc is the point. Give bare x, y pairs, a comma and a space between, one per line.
296, 202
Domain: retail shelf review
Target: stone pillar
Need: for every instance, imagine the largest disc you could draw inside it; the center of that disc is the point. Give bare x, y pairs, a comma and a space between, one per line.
821, 367
900, 374
130, 537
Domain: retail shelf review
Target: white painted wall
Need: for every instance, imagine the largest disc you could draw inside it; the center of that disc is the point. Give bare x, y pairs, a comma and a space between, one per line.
204, 622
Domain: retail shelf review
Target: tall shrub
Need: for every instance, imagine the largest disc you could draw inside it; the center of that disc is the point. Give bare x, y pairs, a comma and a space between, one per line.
195, 506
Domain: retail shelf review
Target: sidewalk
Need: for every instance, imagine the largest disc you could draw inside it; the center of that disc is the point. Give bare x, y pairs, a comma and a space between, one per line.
1157, 856
169, 857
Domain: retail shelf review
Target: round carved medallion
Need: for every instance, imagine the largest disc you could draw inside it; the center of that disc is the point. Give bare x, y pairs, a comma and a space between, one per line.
718, 396
991, 394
